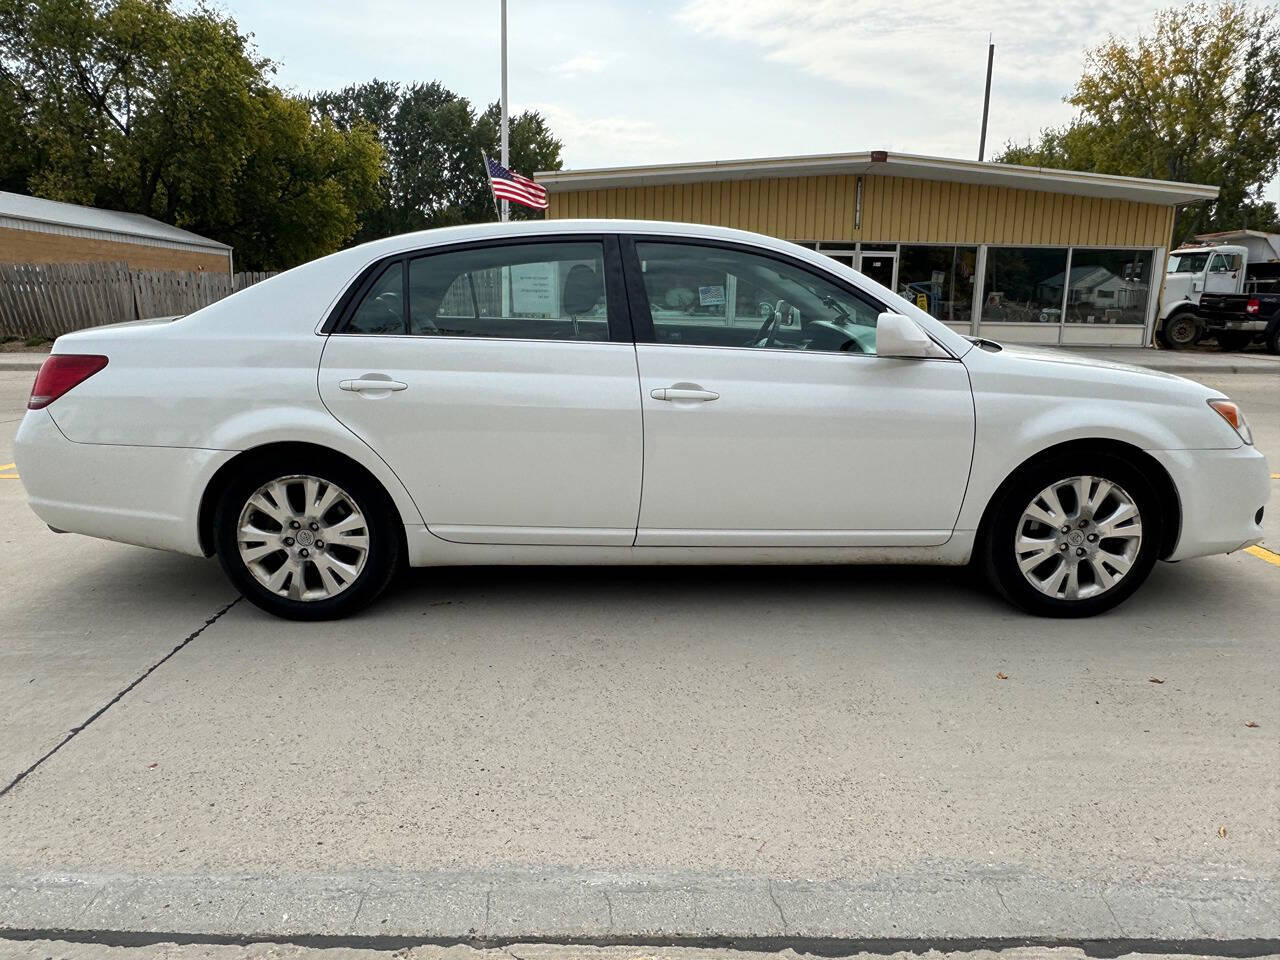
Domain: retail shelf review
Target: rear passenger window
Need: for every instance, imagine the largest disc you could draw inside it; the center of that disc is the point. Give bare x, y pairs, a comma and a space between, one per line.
382, 309
528, 291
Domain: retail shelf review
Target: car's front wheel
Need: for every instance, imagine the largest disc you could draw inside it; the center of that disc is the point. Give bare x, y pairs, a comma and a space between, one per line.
1073, 536
1180, 331
307, 540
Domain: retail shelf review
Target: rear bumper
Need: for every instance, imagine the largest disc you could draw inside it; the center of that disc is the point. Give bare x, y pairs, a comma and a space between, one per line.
1231, 323
1220, 492
149, 496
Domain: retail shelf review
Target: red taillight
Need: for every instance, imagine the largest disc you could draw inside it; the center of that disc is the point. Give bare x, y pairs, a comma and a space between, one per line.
60, 373
1253, 306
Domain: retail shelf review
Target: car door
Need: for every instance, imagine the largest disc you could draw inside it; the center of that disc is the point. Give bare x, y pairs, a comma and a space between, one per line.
768, 418
1223, 275
499, 381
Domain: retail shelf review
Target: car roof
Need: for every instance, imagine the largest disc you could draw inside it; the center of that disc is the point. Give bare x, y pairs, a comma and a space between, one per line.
305, 288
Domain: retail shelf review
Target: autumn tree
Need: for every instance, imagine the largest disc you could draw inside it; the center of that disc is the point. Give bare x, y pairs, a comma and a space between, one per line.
1197, 100
132, 105
434, 141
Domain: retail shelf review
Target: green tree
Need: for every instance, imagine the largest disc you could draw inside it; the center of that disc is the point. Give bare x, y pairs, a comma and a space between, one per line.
434, 142
1196, 100
131, 105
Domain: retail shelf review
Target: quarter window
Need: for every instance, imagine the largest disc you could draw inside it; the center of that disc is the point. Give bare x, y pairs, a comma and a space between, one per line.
722, 297
382, 309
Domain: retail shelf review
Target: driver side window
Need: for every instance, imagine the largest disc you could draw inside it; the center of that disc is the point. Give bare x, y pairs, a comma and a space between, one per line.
726, 297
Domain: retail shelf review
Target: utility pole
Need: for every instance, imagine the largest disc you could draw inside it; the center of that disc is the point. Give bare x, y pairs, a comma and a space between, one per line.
506, 160
986, 97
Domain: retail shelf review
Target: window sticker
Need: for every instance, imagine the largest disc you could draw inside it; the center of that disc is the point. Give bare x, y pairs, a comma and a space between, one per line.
712, 296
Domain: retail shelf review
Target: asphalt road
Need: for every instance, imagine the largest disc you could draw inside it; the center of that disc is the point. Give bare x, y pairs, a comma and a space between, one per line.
845, 752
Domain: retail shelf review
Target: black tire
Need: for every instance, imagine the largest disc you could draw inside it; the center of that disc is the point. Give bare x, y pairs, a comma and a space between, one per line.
1273, 338
1180, 331
1234, 340
385, 549
1000, 559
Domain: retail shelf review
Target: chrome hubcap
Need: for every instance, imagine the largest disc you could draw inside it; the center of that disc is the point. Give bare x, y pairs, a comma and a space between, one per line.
1078, 538
303, 538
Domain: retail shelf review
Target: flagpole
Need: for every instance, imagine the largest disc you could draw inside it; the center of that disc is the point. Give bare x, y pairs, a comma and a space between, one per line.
506, 160
488, 179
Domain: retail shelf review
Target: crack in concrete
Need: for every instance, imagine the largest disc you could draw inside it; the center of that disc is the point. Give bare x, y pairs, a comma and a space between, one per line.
781, 915
1194, 919
1119, 926
608, 905
1000, 897
75, 731
359, 906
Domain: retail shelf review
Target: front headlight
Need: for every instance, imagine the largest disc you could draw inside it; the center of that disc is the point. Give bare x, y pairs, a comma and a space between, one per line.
1232, 413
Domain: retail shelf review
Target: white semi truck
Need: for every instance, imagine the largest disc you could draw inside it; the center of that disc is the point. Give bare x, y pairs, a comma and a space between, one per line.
1241, 261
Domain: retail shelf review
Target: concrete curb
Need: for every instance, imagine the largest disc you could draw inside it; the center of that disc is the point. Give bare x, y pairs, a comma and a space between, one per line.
1193, 370
601, 907
23, 364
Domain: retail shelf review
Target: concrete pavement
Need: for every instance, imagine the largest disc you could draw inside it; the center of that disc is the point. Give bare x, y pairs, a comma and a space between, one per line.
771, 754
63, 950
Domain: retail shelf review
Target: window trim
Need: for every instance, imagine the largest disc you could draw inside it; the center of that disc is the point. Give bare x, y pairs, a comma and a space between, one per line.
642, 316
617, 313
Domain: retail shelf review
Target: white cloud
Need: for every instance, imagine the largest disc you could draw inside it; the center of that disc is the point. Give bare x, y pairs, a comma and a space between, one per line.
928, 60
599, 140
583, 63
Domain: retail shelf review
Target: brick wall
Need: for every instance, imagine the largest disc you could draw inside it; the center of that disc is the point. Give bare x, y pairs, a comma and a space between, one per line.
29, 246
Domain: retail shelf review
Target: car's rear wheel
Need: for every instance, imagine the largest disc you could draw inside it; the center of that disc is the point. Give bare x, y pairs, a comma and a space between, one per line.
308, 540
1234, 340
1073, 536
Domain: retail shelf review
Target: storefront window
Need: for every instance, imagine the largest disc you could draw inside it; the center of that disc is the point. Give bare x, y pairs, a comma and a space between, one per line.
939, 280
1108, 286
1020, 285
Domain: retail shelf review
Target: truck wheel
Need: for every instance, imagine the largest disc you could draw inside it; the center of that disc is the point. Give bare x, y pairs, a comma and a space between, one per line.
1180, 331
1273, 339
1234, 340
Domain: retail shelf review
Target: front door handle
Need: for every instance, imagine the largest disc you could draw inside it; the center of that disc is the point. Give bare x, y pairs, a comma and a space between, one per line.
370, 385
683, 393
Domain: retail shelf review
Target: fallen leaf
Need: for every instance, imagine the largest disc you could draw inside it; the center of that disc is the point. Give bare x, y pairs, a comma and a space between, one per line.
1154, 680
1222, 832
1001, 676
1251, 725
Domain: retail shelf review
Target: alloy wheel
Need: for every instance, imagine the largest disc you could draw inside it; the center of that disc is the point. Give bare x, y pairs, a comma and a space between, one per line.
303, 537
1078, 538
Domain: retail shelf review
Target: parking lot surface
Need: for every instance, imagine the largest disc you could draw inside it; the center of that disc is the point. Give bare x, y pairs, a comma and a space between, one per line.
845, 752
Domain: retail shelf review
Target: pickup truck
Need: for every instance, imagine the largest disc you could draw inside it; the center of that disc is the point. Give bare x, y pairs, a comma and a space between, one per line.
1240, 318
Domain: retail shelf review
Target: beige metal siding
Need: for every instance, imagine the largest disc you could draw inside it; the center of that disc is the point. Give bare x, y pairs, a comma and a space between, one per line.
894, 210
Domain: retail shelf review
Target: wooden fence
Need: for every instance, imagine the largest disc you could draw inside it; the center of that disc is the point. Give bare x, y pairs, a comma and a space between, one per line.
49, 299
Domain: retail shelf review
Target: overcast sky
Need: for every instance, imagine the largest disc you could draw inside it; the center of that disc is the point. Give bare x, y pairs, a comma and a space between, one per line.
684, 80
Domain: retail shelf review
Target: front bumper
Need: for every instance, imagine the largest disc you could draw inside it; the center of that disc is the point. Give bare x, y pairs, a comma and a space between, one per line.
1220, 493
149, 496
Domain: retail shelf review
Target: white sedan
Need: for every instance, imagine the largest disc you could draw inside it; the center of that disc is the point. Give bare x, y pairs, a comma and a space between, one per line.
619, 392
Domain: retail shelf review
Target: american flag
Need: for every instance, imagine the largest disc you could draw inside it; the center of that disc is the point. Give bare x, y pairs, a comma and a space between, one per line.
509, 185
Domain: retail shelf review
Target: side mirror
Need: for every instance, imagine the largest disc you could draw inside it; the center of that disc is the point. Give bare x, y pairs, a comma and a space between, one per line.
897, 336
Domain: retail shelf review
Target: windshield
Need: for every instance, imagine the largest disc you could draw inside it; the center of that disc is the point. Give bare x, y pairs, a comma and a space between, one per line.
1187, 262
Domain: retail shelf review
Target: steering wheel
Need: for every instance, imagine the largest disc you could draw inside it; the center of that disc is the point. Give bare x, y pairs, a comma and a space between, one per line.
769, 329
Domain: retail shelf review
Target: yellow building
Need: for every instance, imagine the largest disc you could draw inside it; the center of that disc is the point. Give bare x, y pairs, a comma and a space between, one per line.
1028, 254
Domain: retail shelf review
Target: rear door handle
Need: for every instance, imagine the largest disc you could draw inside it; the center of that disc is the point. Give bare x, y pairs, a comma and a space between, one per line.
683, 393
361, 386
